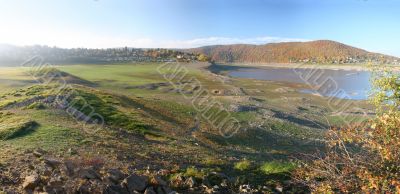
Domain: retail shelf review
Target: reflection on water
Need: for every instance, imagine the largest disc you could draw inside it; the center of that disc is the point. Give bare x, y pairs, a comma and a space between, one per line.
348, 84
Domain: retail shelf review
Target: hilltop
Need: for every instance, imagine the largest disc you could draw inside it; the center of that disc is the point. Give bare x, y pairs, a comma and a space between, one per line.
321, 51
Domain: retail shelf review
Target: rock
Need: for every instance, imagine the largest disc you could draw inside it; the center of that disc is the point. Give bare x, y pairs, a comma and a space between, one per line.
215, 189
39, 153
31, 167
157, 181
160, 190
167, 190
56, 181
115, 189
84, 188
31, 182
89, 174
136, 183
70, 168
115, 175
52, 162
209, 190
53, 190
164, 190
8, 191
279, 189
46, 172
215, 178
72, 151
190, 182
150, 190
224, 183
163, 172
178, 181
43, 169
205, 181
48, 190
245, 189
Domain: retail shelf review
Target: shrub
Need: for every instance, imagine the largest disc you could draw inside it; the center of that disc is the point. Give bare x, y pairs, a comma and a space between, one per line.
242, 165
363, 158
276, 167
194, 172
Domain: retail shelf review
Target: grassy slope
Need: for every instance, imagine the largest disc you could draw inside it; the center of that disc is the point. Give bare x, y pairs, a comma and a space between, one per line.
170, 118
116, 77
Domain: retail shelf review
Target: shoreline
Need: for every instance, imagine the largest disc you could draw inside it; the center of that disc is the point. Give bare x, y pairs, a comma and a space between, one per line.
356, 67
302, 66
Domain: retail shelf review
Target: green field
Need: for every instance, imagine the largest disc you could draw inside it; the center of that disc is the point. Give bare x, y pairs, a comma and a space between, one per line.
147, 122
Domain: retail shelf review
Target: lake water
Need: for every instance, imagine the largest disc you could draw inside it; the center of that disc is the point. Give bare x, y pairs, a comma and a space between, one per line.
349, 84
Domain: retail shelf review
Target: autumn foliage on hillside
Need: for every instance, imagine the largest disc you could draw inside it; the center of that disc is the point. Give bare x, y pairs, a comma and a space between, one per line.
364, 158
322, 51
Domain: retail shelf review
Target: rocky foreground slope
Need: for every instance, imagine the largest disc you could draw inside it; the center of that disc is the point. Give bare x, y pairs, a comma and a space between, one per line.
48, 174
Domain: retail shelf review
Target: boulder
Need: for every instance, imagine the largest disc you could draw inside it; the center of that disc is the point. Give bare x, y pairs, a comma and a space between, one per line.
149, 190
164, 190
39, 153
215, 189
31, 182
84, 188
224, 183
163, 172
279, 188
69, 168
136, 183
245, 189
215, 178
56, 181
54, 163
53, 190
178, 181
190, 182
46, 172
89, 174
158, 181
115, 189
115, 175
72, 151
160, 190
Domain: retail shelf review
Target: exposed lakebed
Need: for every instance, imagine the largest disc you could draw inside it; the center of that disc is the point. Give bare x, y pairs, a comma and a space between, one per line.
348, 84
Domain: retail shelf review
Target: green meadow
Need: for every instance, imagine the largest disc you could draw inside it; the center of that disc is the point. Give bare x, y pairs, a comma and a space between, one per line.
148, 121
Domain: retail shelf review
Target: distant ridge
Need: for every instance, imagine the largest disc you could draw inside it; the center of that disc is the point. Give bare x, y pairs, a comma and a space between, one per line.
320, 51
14, 55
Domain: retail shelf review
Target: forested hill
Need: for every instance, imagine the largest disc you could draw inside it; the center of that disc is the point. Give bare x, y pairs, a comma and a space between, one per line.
321, 51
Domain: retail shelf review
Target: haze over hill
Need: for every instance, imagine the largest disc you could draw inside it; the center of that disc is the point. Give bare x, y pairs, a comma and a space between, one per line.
321, 51
13, 55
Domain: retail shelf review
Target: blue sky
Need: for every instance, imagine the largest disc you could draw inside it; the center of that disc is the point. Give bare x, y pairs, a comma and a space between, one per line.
370, 24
